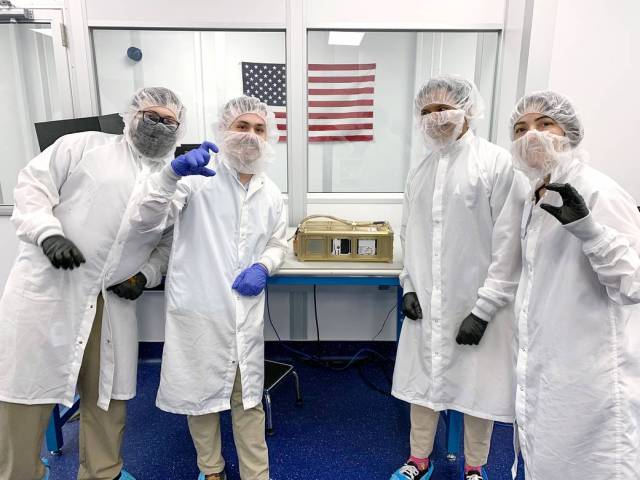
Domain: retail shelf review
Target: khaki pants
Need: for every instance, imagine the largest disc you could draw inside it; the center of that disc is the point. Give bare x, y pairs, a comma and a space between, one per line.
248, 435
22, 427
477, 435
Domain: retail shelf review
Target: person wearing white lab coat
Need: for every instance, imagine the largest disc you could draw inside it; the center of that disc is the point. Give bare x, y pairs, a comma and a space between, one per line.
578, 319
229, 236
461, 213
67, 319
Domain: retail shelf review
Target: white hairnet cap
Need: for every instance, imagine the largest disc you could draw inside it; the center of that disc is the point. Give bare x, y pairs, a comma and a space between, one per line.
244, 104
452, 90
148, 97
555, 106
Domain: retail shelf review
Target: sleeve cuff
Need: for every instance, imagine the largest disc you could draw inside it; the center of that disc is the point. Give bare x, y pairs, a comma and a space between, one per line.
50, 232
150, 275
484, 310
167, 180
268, 263
407, 285
586, 229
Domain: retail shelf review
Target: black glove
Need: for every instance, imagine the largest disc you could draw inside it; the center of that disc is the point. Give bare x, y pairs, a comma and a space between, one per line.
411, 306
471, 330
62, 252
573, 207
132, 288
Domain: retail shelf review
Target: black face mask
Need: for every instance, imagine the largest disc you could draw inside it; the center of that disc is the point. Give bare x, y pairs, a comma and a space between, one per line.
153, 141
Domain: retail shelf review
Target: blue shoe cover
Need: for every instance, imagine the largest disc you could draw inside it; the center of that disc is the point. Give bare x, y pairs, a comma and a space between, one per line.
124, 475
48, 469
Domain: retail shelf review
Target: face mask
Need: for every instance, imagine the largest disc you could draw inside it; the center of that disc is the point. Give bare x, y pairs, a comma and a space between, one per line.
154, 141
442, 129
246, 152
537, 154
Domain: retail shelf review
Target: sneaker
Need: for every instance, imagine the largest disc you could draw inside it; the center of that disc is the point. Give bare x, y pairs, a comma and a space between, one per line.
221, 476
124, 475
409, 471
475, 475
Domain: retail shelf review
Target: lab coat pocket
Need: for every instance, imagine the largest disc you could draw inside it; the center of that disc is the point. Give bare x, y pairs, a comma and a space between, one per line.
43, 318
198, 352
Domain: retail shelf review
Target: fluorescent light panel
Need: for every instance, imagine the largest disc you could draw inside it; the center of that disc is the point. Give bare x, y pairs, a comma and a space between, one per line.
352, 39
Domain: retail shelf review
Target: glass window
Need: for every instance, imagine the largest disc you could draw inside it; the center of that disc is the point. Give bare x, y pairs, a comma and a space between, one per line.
29, 93
362, 135
205, 68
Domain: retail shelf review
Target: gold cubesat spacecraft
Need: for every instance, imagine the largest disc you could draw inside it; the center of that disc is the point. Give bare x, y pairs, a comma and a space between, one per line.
327, 238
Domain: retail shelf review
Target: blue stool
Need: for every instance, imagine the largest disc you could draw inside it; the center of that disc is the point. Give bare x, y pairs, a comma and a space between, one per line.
453, 422
59, 417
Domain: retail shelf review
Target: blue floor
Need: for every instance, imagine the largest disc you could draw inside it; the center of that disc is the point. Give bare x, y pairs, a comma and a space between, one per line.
345, 430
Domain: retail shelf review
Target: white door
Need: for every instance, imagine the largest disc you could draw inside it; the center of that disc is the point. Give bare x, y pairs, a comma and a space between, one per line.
34, 87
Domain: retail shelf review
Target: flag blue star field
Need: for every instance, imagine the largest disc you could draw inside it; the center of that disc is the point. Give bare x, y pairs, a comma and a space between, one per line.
340, 98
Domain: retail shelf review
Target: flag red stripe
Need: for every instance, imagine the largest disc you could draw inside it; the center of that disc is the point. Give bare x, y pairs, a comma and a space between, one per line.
341, 66
343, 138
330, 115
282, 126
282, 139
339, 91
362, 78
344, 126
341, 103
317, 115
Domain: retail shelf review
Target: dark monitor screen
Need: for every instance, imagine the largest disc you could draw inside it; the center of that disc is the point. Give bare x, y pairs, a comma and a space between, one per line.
49, 132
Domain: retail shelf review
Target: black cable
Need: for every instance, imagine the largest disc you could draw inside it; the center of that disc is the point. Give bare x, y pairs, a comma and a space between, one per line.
393, 307
370, 384
293, 350
323, 364
315, 309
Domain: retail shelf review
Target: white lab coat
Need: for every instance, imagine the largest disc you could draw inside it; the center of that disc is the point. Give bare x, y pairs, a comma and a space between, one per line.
578, 366
219, 230
460, 226
79, 187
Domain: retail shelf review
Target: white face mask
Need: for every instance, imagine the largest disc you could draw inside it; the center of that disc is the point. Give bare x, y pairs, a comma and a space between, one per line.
537, 153
246, 152
442, 129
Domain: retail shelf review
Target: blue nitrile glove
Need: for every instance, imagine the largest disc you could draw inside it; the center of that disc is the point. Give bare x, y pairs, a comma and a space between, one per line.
193, 162
252, 280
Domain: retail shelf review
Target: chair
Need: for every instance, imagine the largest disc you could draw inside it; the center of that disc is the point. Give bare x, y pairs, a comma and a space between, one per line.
274, 374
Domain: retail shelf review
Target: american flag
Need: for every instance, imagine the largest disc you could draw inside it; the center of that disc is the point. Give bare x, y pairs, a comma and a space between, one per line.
340, 98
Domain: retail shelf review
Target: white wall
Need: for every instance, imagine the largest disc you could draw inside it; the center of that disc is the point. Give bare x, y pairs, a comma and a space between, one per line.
595, 61
407, 13
186, 14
